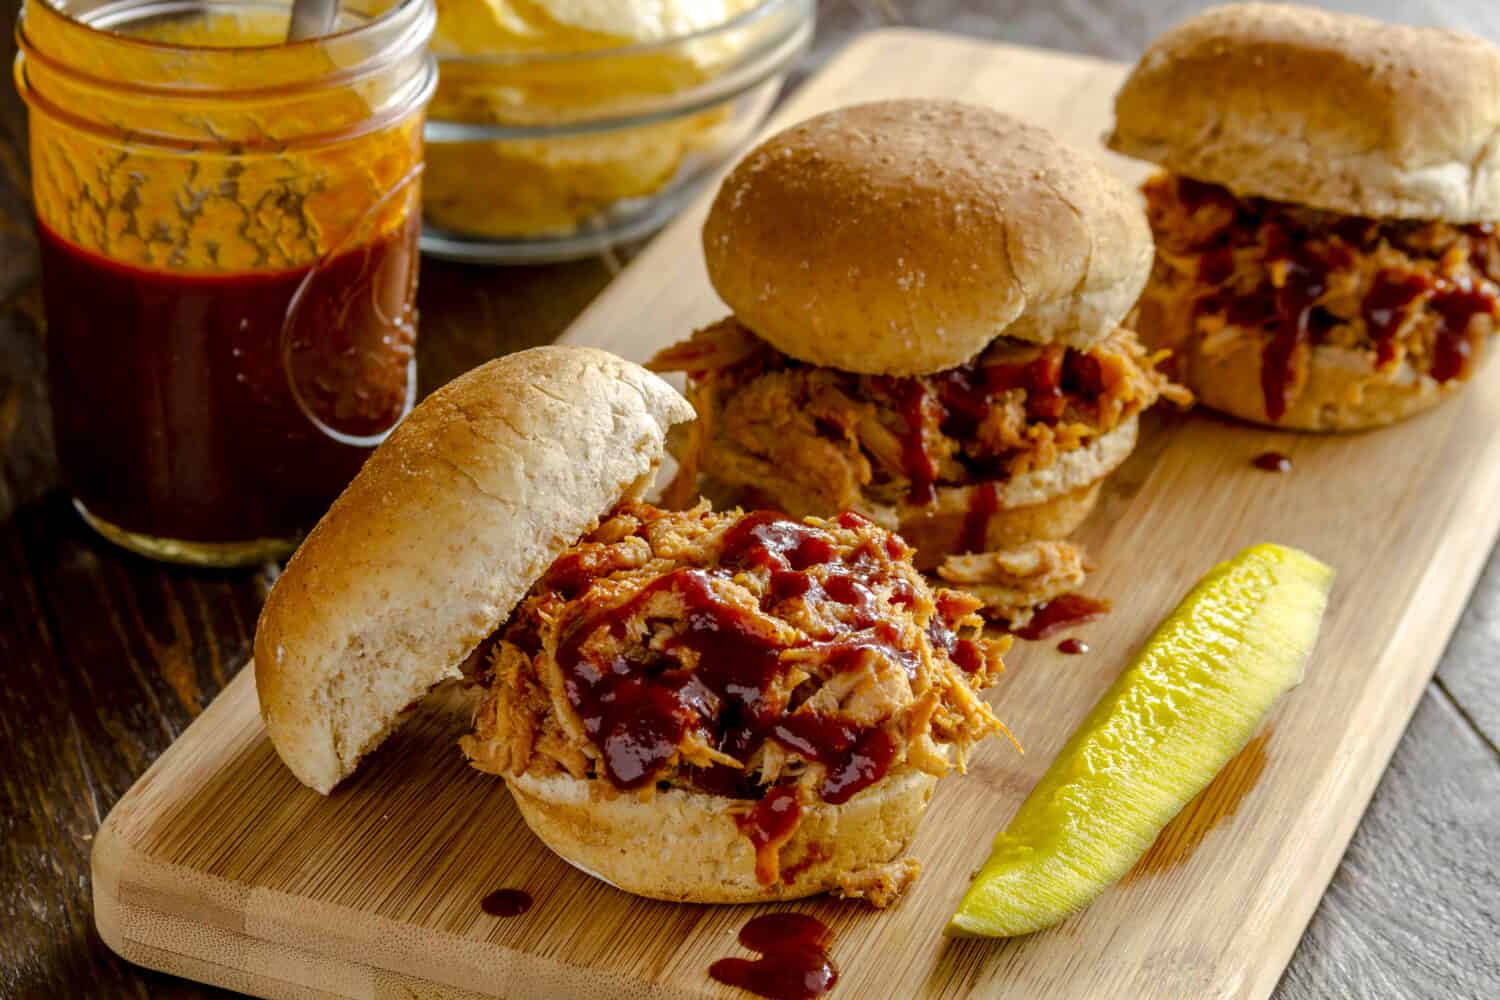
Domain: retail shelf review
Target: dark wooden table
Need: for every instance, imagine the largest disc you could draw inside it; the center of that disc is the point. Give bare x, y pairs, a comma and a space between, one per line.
106, 657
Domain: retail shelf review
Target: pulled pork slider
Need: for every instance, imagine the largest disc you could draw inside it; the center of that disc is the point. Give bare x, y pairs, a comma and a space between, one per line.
927, 301
714, 707
1326, 249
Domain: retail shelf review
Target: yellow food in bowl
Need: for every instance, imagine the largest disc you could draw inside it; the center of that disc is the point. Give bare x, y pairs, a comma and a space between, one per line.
507, 63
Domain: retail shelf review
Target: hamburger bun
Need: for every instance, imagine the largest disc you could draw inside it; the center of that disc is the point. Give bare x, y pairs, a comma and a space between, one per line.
1041, 505
1342, 390
902, 237
440, 535
685, 846
1334, 111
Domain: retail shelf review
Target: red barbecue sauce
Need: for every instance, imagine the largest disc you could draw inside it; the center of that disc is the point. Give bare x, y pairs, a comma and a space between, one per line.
794, 962
1458, 306
638, 708
1060, 613
171, 406
963, 397
1272, 461
1386, 305
965, 653
911, 400
1306, 280
984, 502
506, 903
1073, 647
768, 825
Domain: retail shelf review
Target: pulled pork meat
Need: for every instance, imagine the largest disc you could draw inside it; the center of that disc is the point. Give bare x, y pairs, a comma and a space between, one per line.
817, 439
880, 885
1013, 582
1419, 292
774, 661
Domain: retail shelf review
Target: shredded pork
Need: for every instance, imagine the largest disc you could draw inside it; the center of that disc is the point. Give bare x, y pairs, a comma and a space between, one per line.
1419, 292
830, 626
880, 885
818, 439
1013, 582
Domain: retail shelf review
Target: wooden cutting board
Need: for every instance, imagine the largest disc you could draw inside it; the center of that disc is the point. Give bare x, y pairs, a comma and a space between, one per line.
217, 865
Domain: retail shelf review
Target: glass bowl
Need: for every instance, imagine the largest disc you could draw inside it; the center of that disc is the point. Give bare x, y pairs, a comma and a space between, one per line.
545, 157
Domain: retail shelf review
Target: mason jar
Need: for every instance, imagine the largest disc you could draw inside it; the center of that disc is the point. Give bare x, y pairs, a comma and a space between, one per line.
228, 227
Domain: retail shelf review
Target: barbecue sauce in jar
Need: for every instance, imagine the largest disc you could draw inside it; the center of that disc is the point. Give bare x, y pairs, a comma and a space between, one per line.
228, 230
173, 413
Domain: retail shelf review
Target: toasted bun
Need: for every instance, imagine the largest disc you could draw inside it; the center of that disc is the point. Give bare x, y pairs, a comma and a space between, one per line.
685, 846
900, 238
438, 537
1041, 505
1342, 392
1338, 112
944, 530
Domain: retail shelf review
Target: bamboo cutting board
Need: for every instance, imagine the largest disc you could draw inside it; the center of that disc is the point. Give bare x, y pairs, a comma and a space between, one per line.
217, 865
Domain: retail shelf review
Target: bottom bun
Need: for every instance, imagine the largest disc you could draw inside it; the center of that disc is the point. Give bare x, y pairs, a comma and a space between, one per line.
1342, 391
685, 846
1042, 505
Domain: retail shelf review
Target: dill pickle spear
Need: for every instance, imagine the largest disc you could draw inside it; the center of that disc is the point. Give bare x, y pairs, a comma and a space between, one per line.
1190, 701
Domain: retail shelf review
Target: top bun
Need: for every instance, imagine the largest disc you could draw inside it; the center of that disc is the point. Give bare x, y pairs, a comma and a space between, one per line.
440, 535
901, 237
1334, 111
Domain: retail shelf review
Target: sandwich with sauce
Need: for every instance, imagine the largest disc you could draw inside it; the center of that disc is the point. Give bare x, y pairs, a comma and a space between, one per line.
690, 705
927, 300
1325, 215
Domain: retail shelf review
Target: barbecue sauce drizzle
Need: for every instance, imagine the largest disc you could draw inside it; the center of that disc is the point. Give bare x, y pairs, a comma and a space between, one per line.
794, 962
1060, 613
963, 397
637, 706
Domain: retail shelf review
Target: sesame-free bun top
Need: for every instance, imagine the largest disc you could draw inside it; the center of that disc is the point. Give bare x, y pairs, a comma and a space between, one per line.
902, 237
440, 535
1335, 111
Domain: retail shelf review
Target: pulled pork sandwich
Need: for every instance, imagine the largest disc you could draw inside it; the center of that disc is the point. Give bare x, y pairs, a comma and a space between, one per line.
927, 300
1326, 250
715, 707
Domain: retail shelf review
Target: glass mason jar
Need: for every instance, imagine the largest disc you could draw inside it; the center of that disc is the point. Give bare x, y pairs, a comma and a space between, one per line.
228, 227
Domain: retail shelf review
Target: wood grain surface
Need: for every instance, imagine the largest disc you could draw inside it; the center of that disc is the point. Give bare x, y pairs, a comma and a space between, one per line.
218, 864
107, 657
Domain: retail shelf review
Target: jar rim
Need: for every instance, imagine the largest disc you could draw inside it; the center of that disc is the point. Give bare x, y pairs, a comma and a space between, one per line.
396, 34
763, 10
104, 14
396, 46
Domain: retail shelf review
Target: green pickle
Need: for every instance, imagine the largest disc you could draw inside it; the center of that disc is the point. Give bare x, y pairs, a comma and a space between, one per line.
1191, 700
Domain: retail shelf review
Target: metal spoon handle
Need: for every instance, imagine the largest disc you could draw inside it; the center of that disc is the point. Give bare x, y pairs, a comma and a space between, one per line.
312, 18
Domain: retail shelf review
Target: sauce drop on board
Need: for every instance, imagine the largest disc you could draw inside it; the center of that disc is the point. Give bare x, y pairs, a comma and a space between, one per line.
506, 903
170, 402
794, 962
1272, 461
1073, 647
1060, 613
